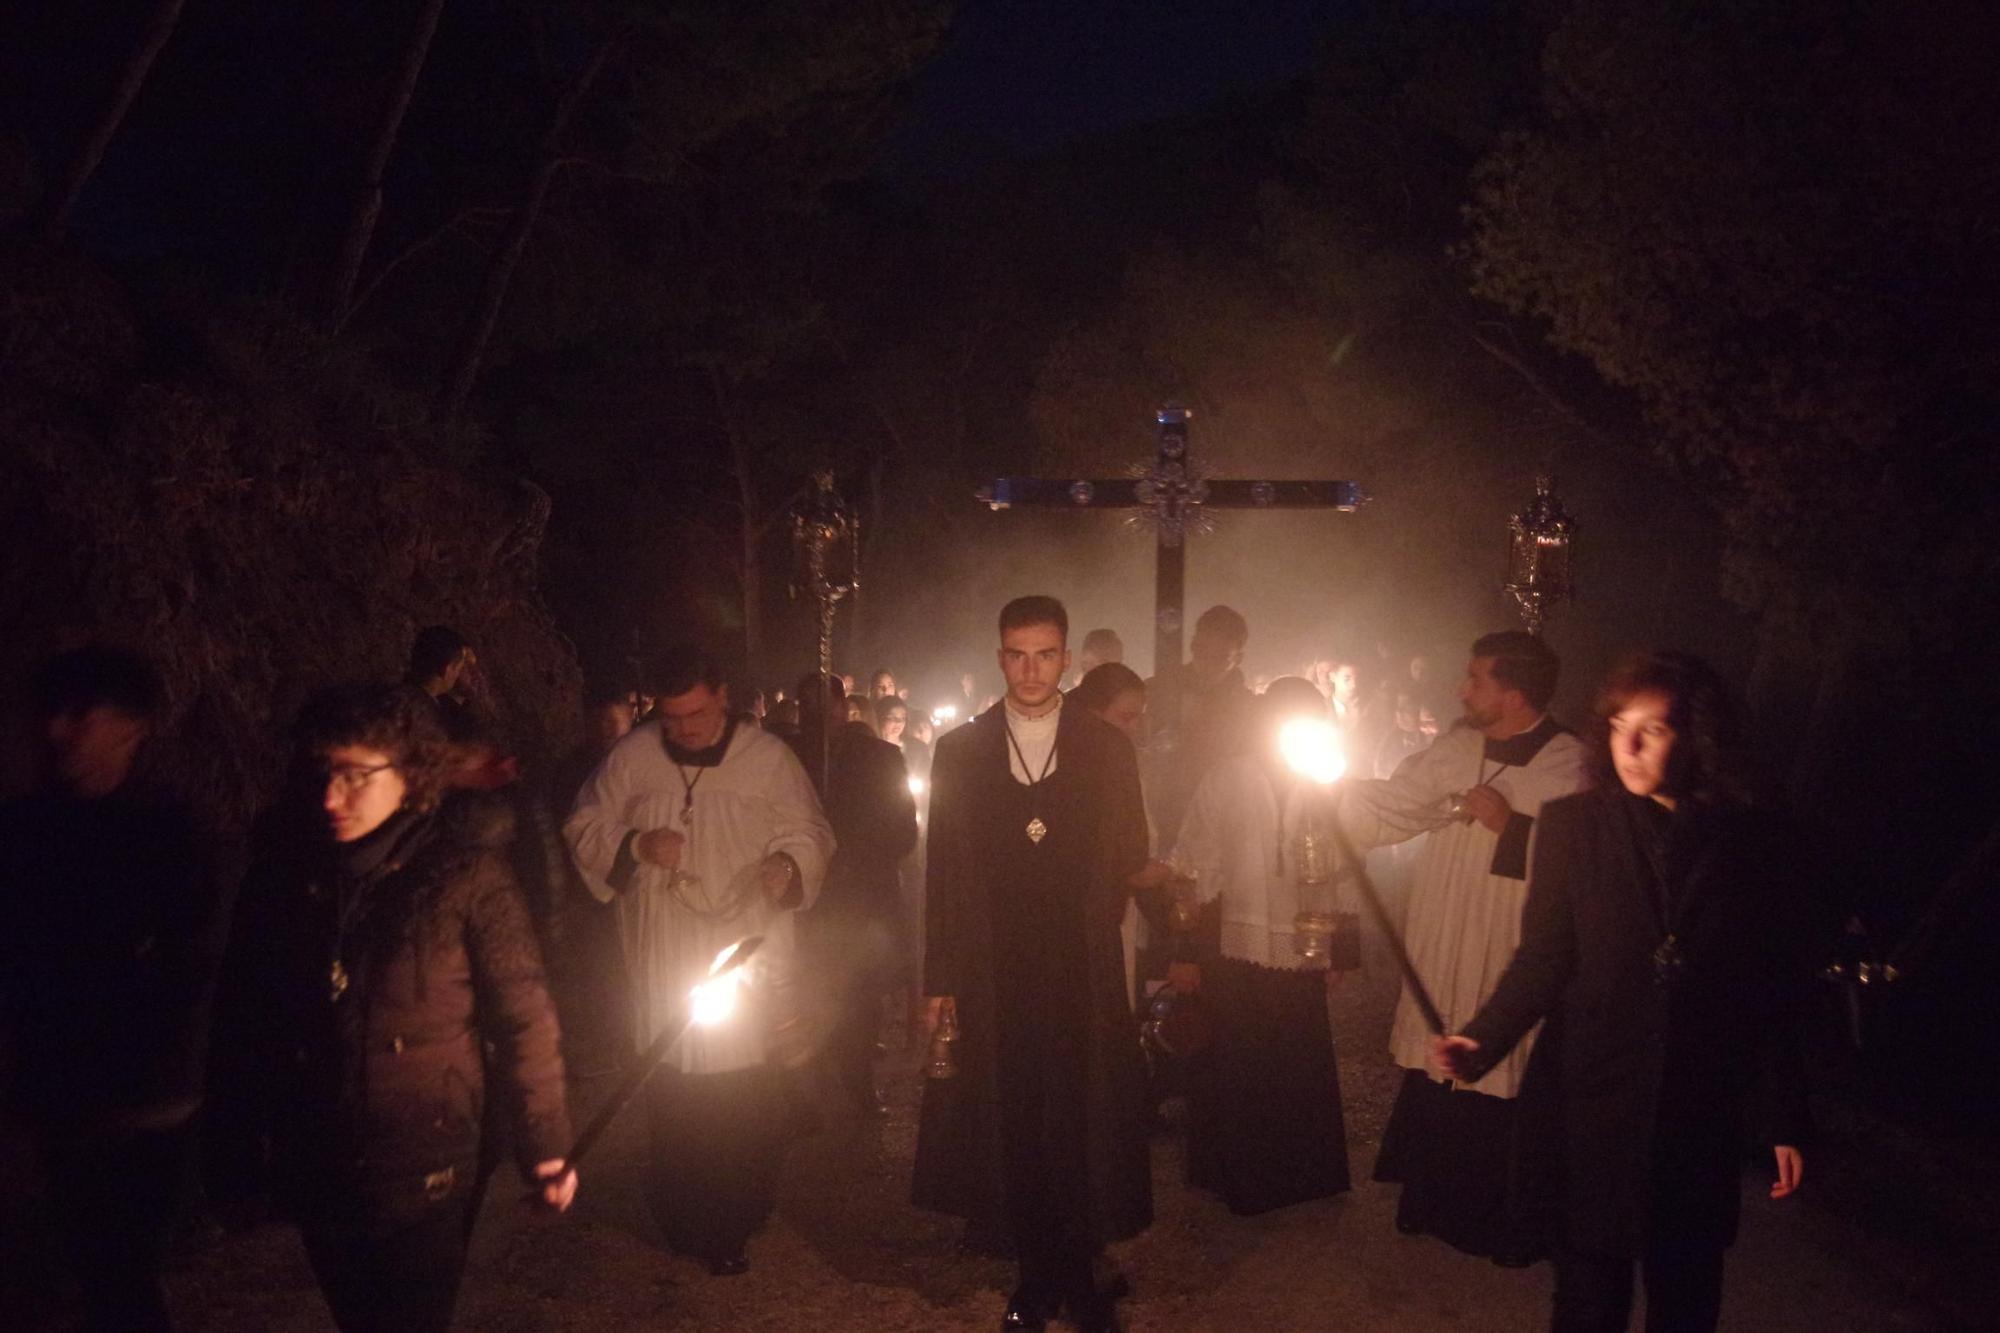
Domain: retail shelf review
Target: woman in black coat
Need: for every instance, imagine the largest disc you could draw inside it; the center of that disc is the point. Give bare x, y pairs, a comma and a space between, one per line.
384, 983
1664, 934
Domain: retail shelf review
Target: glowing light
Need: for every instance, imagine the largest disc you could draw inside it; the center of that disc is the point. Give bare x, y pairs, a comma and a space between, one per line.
1312, 749
916, 785
944, 713
714, 1000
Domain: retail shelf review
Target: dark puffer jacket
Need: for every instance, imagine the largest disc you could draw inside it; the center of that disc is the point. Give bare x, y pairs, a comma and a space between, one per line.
365, 1106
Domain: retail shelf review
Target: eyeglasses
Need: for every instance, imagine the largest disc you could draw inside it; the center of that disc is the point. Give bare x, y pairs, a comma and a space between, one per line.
349, 778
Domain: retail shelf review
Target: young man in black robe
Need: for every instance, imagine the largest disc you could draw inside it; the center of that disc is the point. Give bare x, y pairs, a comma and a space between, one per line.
1037, 824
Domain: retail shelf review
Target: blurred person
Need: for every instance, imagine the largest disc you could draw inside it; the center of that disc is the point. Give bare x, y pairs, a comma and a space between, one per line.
441, 665
757, 709
882, 685
1037, 823
857, 710
783, 719
1214, 712
704, 831
852, 939
1405, 736
1265, 1128
1117, 694
104, 967
912, 735
893, 724
1476, 792
1099, 646
847, 686
587, 973
1665, 935
384, 978
1343, 694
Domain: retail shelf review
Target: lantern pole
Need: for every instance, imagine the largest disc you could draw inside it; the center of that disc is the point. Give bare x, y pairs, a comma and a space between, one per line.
826, 548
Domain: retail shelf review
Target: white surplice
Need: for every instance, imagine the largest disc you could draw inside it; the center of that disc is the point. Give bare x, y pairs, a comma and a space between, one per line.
672, 924
1238, 842
1462, 924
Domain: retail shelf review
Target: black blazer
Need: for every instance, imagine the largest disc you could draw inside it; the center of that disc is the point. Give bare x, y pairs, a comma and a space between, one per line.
1657, 1064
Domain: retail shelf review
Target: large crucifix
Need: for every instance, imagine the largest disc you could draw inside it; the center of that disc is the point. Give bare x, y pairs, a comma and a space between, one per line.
1173, 493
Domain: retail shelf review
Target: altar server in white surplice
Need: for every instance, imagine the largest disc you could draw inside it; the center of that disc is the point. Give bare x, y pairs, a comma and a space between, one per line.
1454, 1147
704, 831
1265, 1128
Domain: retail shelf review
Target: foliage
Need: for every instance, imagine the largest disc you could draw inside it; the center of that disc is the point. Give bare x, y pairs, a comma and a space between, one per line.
212, 483
1771, 224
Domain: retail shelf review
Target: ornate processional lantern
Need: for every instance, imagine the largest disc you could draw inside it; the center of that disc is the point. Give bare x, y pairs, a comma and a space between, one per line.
826, 551
1540, 546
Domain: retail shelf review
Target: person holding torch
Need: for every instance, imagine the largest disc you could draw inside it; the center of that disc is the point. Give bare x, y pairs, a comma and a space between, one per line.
1667, 932
1266, 1128
704, 832
1452, 1143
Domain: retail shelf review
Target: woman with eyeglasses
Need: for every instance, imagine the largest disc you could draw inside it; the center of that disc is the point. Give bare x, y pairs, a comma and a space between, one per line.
384, 988
1667, 935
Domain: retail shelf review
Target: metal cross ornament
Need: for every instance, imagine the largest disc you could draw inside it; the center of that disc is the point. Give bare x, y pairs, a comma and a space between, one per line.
1175, 496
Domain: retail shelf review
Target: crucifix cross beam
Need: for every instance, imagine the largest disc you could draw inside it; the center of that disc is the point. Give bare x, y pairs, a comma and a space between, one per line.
1174, 494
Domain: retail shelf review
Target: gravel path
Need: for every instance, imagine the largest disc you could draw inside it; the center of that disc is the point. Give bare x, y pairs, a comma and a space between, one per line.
1870, 1245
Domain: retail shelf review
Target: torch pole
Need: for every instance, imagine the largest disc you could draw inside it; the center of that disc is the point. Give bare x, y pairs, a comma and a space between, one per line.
1418, 991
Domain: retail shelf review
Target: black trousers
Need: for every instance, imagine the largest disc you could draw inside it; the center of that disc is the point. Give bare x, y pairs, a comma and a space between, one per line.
400, 1280
718, 1141
1683, 1290
114, 1200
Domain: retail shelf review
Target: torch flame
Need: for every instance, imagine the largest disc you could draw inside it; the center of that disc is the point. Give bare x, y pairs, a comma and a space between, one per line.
1312, 749
714, 1000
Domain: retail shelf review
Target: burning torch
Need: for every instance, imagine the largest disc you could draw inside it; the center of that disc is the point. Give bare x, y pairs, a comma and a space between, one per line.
711, 1003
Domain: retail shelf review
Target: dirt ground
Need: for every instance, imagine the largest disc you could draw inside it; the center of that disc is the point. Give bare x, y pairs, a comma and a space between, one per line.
1891, 1233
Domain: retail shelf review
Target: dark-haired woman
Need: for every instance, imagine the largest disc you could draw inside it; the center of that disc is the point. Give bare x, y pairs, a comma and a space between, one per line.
381, 942
1665, 933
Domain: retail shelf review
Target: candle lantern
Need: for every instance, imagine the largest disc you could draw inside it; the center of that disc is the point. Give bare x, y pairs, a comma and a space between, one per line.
1312, 749
1541, 543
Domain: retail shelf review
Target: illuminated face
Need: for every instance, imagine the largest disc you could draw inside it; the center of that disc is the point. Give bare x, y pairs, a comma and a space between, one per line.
1346, 684
90, 750
694, 720
883, 686
1127, 712
1485, 698
363, 788
1642, 744
1033, 659
893, 723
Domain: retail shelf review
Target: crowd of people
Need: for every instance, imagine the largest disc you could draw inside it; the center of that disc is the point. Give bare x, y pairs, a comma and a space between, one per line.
1077, 897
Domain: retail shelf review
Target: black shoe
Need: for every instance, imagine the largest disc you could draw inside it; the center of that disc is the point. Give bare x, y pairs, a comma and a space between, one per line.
734, 1265
1028, 1309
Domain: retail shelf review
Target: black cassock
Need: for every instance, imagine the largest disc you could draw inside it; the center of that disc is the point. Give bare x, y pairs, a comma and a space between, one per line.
1043, 1130
1661, 1045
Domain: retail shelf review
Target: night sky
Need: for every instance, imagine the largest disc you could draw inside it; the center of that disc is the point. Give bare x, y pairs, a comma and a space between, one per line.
1024, 75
